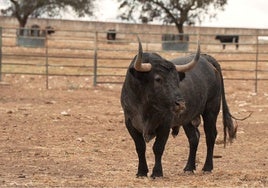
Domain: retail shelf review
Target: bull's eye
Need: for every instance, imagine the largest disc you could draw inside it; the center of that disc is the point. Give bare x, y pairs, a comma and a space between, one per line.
158, 79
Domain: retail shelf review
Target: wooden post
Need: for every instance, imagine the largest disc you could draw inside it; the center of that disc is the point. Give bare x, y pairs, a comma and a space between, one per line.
95, 59
46, 43
0, 54
257, 62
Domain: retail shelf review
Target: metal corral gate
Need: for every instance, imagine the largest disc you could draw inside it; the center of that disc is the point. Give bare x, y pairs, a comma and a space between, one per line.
105, 55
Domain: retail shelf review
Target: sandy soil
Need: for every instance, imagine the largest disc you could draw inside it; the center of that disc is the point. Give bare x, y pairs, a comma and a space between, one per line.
76, 137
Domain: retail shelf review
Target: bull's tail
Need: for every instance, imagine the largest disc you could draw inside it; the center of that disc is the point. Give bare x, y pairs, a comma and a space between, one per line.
228, 124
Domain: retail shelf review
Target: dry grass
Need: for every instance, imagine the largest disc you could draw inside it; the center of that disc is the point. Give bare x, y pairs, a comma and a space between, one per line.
77, 138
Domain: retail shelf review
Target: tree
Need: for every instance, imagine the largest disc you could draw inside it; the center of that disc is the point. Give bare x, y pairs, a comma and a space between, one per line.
24, 9
178, 12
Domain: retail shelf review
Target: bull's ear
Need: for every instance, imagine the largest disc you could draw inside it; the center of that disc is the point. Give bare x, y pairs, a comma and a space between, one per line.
181, 75
131, 70
136, 74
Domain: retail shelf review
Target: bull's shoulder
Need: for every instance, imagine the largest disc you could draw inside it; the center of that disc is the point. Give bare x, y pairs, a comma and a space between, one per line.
209, 57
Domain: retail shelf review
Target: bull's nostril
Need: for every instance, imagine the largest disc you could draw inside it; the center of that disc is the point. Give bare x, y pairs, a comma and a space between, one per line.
180, 105
179, 101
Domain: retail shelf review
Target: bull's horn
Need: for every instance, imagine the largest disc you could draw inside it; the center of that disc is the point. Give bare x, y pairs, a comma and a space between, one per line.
190, 65
138, 65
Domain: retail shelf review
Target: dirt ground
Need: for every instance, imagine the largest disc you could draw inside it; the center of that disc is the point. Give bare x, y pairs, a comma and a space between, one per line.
76, 137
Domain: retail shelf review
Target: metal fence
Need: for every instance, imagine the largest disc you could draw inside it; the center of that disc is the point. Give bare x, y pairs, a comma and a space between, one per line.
105, 55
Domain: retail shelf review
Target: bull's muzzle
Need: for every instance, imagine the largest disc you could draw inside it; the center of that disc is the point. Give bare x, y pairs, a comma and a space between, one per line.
179, 106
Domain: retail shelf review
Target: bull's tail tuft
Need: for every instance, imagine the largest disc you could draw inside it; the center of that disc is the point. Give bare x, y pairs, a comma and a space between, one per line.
228, 124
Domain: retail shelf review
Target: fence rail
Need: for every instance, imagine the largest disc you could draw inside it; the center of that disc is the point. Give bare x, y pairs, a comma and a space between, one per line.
94, 54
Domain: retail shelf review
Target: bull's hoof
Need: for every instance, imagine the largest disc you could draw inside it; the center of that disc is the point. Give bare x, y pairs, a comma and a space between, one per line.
141, 175
207, 172
153, 176
207, 169
189, 168
190, 172
157, 173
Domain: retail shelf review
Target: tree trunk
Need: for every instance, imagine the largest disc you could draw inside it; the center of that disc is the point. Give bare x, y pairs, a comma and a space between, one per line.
22, 23
179, 27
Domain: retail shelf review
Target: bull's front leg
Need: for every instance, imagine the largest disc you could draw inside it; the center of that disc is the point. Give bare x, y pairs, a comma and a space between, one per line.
140, 149
158, 148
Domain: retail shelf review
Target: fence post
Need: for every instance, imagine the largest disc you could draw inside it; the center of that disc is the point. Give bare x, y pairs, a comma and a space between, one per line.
46, 43
95, 59
257, 62
0, 54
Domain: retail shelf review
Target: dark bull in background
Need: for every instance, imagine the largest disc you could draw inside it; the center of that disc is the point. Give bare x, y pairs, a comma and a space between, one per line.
228, 39
111, 34
159, 95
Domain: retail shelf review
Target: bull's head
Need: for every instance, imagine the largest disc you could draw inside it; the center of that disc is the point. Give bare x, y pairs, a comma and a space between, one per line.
158, 89
139, 66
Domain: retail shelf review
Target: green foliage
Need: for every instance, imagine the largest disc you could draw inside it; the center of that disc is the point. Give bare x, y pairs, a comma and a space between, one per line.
24, 9
178, 12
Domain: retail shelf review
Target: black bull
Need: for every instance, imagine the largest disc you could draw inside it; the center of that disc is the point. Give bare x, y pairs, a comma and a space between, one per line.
158, 95
228, 39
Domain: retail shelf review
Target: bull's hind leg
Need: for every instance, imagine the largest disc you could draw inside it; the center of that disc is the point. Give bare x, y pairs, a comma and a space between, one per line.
140, 149
193, 136
210, 119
